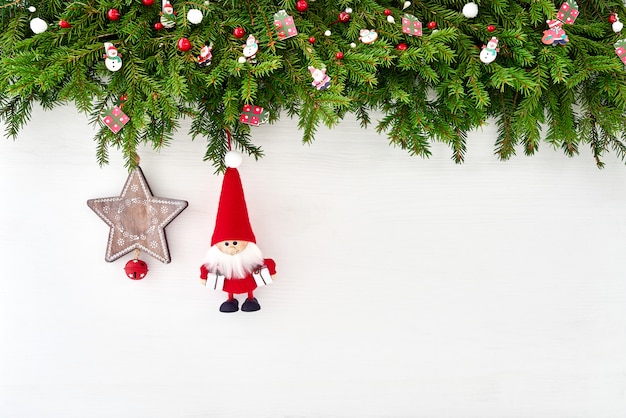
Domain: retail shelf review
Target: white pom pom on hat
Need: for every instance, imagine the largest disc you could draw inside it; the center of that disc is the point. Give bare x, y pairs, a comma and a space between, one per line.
233, 159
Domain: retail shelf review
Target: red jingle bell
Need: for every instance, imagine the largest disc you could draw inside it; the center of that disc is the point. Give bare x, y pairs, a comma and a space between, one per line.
402, 47
136, 269
432, 24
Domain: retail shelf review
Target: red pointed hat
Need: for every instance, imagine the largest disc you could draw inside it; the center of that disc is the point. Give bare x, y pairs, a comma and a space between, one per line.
232, 221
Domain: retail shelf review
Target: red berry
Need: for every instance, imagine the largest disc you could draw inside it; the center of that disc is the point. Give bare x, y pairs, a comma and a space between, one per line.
238, 32
491, 28
302, 6
147, 2
113, 14
64, 24
432, 24
339, 55
387, 12
158, 26
401, 47
344, 17
612, 18
312, 39
184, 44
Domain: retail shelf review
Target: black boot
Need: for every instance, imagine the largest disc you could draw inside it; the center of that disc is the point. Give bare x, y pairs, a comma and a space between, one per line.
250, 305
231, 305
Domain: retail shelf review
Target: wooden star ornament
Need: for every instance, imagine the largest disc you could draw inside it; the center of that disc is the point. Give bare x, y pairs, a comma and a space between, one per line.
137, 219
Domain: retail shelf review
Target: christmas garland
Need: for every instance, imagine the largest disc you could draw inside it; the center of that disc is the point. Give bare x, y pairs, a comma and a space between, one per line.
543, 71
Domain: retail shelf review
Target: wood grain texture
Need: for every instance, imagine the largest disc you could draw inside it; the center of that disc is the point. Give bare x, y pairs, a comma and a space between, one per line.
137, 219
405, 287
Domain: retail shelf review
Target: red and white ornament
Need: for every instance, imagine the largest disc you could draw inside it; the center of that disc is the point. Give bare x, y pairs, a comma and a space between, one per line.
321, 81
112, 60
168, 17
617, 26
490, 51
367, 36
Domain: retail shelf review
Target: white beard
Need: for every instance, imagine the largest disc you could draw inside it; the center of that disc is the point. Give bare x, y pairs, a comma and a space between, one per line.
236, 266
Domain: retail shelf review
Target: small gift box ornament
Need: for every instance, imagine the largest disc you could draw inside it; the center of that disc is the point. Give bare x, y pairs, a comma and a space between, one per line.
620, 49
115, 118
411, 26
253, 115
285, 26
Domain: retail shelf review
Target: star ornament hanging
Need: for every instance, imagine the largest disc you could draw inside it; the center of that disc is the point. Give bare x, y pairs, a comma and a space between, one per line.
137, 219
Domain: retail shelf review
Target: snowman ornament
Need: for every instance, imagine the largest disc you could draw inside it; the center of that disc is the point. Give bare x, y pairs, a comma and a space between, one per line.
250, 49
111, 59
490, 51
367, 36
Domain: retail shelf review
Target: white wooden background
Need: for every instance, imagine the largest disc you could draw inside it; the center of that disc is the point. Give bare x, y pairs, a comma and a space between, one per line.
407, 287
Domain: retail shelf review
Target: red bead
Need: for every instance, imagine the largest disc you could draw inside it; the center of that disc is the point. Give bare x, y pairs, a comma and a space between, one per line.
432, 24
387, 12
239, 32
312, 39
339, 55
302, 6
184, 44
491, 28
612, 18
64, 24
344, 17
401, 47
113, 14
147, 2
158, 26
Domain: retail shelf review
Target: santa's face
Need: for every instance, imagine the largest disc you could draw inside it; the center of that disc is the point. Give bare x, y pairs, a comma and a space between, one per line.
232, 247
233, 258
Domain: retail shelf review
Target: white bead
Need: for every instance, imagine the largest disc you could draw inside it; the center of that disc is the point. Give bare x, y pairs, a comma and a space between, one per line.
470, 10
38, 25
32, 9
327, 33
352, 45
241, 60
406, 5
348, 10
617, 26
233, 159
390, 19
194, 16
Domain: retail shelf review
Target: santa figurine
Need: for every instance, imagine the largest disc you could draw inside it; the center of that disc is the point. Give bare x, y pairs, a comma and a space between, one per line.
555, 35
234, 263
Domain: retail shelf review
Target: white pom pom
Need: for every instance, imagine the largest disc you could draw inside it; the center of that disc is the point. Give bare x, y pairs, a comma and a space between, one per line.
32, 9
617, 26
470, 10
327, 33
194, 16
38, 25
348, 10
232, 159
241, 60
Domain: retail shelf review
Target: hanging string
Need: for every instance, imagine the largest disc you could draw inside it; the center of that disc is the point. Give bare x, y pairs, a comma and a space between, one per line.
228, 138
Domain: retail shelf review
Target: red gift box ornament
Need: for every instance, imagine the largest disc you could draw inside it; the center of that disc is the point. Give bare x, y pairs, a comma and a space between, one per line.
285, 25
411, 26
253, 115
620, 49
115, 118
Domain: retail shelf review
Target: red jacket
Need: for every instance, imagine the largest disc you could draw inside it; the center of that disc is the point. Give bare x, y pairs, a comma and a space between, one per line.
240, 285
